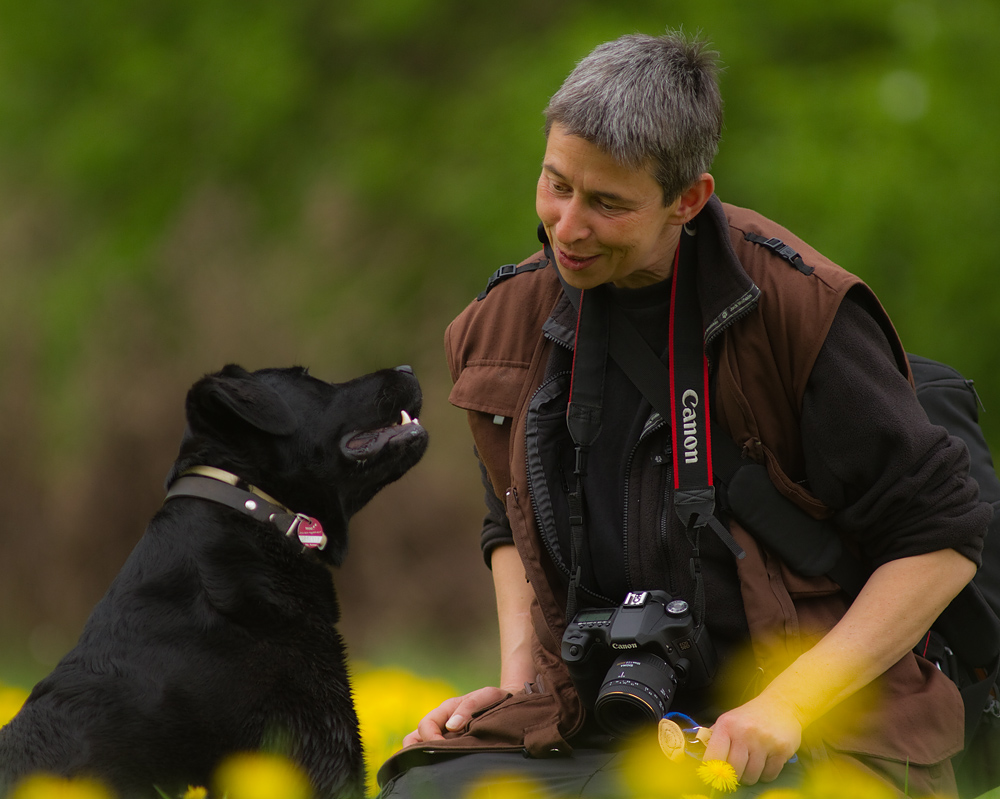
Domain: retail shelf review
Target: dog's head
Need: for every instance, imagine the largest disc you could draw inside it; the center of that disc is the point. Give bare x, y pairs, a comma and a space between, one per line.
321, 449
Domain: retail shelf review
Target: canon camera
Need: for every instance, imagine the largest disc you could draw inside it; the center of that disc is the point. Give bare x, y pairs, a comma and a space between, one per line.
627, 662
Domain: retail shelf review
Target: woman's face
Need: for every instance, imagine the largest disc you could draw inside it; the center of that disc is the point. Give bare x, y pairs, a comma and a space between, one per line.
605, 222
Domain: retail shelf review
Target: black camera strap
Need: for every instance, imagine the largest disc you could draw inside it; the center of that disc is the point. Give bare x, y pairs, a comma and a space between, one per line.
679, 393
690, 403
583, 416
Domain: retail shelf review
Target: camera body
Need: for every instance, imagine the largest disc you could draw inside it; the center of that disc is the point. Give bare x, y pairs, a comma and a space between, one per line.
627, 662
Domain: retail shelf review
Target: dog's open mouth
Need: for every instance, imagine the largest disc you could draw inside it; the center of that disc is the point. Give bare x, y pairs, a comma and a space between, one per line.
360, 445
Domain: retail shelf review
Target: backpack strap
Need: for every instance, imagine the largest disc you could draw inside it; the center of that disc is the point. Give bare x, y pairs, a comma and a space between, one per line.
508, 271
811, 547
782, 250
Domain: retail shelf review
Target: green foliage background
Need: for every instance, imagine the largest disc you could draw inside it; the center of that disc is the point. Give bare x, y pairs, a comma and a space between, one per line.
184, 184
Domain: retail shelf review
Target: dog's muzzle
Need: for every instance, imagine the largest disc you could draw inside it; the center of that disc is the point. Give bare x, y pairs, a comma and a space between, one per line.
363, 444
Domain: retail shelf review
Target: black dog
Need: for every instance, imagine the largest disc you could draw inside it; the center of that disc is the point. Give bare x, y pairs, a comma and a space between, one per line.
218, 634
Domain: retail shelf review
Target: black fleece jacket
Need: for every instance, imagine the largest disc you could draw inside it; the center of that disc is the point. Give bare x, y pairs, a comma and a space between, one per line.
898, 484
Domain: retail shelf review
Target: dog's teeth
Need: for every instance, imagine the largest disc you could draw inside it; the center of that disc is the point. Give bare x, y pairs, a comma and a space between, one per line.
405, 417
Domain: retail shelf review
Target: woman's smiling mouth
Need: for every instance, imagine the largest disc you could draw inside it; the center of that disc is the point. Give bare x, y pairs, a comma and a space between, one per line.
575, 262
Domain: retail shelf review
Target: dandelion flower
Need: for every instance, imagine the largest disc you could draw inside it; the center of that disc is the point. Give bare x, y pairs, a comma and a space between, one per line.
195, 792
647, 773
782, 793
838, 778
11, 700
503, 786
718, 775
390, 702
43, 786
259, 775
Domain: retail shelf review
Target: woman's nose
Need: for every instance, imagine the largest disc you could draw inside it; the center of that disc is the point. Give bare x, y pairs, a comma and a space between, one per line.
572, 224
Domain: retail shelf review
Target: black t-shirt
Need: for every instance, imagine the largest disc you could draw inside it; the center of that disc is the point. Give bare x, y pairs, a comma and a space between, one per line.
625, 415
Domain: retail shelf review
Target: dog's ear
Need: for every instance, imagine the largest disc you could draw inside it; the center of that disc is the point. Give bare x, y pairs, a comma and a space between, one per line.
235, 393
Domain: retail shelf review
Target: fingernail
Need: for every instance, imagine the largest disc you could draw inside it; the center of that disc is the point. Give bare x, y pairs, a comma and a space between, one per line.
455, 723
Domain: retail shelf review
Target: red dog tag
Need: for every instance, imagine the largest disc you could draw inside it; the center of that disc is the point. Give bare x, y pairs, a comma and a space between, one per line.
310, 533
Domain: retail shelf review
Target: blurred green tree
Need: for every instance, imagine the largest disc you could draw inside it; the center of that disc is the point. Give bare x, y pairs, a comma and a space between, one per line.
184, 184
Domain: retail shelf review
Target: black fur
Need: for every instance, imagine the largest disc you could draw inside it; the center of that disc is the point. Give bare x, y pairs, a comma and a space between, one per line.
218, 634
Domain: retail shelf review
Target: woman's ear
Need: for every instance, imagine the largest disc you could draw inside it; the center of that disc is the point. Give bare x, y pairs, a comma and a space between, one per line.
693, 199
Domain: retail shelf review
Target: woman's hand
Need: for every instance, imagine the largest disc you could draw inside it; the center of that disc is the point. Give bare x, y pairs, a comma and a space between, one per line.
453, 714
516, 665
756, 738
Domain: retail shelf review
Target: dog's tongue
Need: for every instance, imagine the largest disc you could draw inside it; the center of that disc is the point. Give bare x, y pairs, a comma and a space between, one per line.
359, 445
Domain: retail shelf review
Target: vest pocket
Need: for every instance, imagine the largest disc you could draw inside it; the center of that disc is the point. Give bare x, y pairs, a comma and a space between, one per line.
490, 387
802, 587
505, 721
489, 391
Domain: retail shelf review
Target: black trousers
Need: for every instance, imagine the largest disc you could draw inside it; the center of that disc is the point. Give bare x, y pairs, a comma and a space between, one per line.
587, 774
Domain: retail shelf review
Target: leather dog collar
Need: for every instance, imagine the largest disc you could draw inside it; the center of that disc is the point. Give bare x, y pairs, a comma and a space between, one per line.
225, 488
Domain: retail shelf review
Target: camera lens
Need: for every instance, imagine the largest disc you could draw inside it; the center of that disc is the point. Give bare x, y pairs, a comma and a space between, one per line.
637, 690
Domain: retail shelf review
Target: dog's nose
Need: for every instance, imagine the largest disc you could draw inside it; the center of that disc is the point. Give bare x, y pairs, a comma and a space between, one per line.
405, 368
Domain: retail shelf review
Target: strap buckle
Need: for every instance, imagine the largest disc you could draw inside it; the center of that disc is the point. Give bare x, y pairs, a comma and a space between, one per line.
501, 274
696, 508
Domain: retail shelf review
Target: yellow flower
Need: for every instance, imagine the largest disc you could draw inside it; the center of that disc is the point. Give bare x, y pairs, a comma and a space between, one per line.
839, 778
43, 786
648, 774
195, 792
257, 775
719, 775
390, 702
503, 786
782, 793
11, 700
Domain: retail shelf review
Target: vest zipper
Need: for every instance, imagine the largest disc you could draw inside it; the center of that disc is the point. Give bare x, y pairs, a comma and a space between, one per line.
742, 307
734, 313
654, 423
665, 516
531, 485
560, 565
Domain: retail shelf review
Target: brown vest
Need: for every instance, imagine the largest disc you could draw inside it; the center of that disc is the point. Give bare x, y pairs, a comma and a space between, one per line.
498, 355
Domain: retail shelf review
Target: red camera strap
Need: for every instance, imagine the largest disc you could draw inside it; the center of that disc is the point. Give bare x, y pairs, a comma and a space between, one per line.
680, 394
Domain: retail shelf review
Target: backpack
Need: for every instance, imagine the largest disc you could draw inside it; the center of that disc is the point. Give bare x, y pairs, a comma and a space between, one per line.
951, 401
965, 640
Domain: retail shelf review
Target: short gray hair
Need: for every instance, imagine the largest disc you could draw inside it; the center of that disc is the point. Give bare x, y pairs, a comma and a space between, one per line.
648, 101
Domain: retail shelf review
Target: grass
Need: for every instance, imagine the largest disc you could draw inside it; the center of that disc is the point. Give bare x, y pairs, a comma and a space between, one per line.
390, 700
